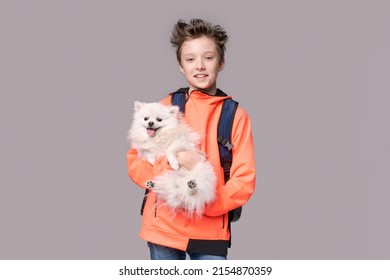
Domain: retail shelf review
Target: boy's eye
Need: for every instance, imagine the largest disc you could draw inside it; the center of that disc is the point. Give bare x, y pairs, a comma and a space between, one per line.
159, 119
189, 59
146, 118
209, 57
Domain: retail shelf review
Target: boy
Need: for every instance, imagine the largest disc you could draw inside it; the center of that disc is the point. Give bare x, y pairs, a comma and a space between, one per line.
200, 49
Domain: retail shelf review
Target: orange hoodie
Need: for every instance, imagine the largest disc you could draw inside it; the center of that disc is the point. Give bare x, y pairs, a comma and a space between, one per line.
210, 233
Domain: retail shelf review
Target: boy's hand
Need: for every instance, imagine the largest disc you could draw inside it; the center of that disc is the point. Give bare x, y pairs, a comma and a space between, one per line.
188, 159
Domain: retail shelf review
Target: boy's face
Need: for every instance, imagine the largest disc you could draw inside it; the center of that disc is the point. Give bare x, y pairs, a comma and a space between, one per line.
200, 64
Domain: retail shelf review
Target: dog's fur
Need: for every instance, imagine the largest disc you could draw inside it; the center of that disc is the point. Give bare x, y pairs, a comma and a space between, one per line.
158, 131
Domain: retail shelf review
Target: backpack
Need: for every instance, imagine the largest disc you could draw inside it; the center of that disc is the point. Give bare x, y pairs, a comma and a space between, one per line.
224, 134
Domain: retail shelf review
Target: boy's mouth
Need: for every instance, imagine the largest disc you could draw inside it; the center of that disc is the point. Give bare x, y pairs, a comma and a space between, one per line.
151, 131
200, 76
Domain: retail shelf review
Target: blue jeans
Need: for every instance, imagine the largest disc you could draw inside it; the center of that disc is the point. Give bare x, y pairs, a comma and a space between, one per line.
158, 252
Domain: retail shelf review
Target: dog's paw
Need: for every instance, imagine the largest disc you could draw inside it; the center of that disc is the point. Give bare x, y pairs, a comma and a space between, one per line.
192, 185
150, 158
173, 162
149, 184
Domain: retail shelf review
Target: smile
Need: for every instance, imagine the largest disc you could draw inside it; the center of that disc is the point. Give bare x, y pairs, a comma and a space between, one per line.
201, 76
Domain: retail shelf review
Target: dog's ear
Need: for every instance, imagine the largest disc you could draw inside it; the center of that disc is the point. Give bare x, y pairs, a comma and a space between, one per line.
174, 110
138, 105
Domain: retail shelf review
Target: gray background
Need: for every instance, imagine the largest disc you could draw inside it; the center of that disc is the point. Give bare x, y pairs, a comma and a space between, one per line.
313, 76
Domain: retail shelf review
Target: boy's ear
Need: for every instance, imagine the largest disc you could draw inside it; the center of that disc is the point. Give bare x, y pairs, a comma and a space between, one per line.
221, 65
181, 68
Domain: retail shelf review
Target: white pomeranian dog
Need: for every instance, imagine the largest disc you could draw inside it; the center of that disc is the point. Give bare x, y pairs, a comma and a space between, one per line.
157, 131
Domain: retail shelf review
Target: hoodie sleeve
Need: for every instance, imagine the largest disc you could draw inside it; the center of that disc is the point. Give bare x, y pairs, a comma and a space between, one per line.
140, 171
241, 185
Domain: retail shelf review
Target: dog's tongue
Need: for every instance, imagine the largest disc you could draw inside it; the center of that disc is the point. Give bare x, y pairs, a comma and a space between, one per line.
150, 131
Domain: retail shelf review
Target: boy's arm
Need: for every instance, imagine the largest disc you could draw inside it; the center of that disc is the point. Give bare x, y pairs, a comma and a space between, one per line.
241, 185
140, 171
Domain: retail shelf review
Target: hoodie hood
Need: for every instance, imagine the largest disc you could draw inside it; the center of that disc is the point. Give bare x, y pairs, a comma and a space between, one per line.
205, 97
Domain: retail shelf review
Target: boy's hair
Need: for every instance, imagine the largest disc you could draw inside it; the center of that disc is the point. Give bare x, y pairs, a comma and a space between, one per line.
197, 28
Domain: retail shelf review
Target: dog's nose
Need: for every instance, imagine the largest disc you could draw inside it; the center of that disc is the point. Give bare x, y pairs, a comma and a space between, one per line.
151, 124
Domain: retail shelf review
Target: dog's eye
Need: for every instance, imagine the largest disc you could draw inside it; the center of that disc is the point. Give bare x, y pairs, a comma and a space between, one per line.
146, 118
159, 120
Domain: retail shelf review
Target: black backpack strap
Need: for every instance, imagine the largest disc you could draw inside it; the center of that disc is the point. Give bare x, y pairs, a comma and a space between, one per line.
178, 98
225, 125
225, 145
144, 201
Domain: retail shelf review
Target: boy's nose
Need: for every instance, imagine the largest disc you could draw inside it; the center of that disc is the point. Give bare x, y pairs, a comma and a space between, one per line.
200, 66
